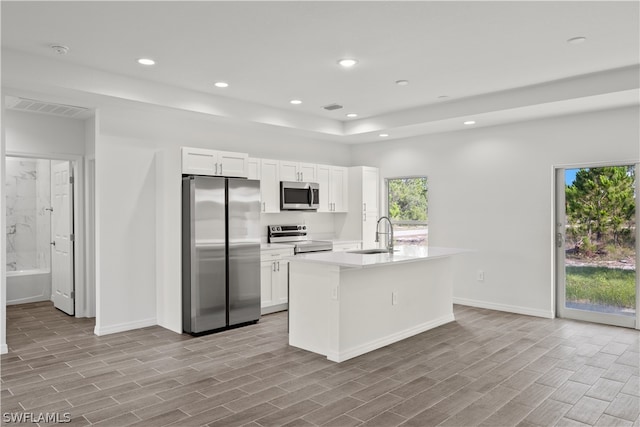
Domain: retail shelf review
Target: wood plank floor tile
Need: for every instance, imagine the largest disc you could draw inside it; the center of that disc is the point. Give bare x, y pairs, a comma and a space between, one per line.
486, 368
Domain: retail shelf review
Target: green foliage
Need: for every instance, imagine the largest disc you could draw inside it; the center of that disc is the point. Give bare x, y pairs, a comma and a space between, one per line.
408, 199
601, 285
600, 205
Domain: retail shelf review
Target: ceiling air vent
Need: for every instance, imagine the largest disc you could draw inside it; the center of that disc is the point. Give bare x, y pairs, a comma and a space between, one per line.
332, 107
34, 106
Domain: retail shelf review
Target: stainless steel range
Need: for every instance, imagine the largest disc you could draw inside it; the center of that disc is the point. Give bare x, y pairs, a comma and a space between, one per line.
297, 235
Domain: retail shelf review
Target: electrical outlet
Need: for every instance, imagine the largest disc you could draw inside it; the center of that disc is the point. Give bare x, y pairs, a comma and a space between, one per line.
394, 298
480, 276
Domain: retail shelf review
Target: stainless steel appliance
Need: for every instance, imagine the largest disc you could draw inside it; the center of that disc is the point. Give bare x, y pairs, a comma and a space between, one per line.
297, 235
220, 253
297, 196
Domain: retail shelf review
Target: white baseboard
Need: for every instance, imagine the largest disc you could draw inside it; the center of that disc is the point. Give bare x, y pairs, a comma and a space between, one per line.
38, 298
274, 308
122, 327
4, 349
504, 307
341, 356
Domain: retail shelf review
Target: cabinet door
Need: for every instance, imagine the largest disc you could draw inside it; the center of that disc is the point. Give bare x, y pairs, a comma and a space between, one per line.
307, 172
323, 179
339, 189
370, 189
281, 282
289, 171
232, 164
270, 185
266, 283
369, 223
199, 161
253, 168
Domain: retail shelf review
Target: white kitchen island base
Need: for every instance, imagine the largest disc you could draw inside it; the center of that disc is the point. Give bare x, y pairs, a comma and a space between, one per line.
343, 311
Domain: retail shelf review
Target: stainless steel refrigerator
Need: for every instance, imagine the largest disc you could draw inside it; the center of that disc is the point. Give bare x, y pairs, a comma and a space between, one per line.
220, 253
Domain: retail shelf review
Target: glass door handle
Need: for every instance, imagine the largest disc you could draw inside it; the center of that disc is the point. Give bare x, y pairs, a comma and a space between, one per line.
559, 240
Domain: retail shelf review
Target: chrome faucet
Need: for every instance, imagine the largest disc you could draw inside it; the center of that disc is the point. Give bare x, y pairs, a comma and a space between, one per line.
389, 234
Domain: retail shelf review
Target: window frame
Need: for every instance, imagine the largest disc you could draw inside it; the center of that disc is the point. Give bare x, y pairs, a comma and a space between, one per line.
400, 223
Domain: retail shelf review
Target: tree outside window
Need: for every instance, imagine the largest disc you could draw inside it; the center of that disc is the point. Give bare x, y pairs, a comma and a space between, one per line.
407, 209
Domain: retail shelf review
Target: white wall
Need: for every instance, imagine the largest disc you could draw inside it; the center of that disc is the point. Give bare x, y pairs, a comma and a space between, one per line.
138, 202
491, 190
126, 238
32, 133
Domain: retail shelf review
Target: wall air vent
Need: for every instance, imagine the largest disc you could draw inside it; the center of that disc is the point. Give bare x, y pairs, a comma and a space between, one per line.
34, 106
332, 107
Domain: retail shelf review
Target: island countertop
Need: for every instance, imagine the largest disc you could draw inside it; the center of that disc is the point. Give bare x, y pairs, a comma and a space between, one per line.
401, 254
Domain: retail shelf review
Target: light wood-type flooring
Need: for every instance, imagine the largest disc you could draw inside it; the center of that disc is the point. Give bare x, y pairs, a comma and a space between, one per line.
487, 368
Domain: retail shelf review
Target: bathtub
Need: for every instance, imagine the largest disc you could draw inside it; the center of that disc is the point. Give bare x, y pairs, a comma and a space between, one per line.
28, 286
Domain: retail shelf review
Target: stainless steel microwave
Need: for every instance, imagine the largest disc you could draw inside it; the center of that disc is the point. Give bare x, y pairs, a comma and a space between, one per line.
299, 196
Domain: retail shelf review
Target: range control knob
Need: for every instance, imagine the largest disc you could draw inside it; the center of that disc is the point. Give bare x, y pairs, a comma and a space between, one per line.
304, 227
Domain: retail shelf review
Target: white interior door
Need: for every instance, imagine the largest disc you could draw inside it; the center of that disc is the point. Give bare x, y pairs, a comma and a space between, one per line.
62, 284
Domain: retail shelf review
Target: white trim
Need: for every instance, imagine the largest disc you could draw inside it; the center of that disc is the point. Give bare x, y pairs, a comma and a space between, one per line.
4, 349
505, 307
341, 356
123, 327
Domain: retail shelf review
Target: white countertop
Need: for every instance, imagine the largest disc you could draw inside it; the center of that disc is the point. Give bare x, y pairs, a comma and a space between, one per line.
401, 254
268, 246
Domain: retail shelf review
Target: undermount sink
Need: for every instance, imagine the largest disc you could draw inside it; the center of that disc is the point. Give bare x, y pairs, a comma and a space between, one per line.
371, 251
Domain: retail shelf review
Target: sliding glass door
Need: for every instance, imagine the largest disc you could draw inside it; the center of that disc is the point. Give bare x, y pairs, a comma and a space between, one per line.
597, 244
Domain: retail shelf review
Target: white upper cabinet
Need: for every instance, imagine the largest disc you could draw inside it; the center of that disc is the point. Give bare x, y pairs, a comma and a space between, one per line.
339, 189
334, 188
201, 161
361, 220
296, 171
253, 168
370, 190
270, 185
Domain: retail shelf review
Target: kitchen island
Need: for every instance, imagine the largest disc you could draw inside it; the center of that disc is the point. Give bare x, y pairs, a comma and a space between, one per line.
344, 304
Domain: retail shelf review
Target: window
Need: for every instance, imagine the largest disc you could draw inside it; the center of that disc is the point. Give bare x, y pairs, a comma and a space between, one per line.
407, 209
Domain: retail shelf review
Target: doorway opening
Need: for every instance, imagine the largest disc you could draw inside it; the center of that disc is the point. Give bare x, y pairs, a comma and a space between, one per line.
597, 244
40, 232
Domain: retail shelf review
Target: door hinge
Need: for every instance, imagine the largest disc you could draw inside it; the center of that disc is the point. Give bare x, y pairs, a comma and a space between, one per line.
72, 237
73, 294
70, 179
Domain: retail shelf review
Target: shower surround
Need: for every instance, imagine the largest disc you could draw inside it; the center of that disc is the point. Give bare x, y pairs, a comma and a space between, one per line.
28, 195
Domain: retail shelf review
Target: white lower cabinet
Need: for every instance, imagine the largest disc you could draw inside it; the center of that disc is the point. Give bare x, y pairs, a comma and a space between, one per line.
274, 280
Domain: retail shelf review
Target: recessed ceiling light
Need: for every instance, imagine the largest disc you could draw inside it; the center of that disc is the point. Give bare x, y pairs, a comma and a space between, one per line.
470, 122
577, 40
347, 62
402, 82
352, 115
146, 61
384, 135
221, 84
295, 102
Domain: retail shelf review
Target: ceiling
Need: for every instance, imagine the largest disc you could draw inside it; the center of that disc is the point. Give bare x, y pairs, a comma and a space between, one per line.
463, 60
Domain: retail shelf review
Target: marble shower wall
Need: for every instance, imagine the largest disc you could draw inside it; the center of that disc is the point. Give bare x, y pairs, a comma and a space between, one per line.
28, 194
